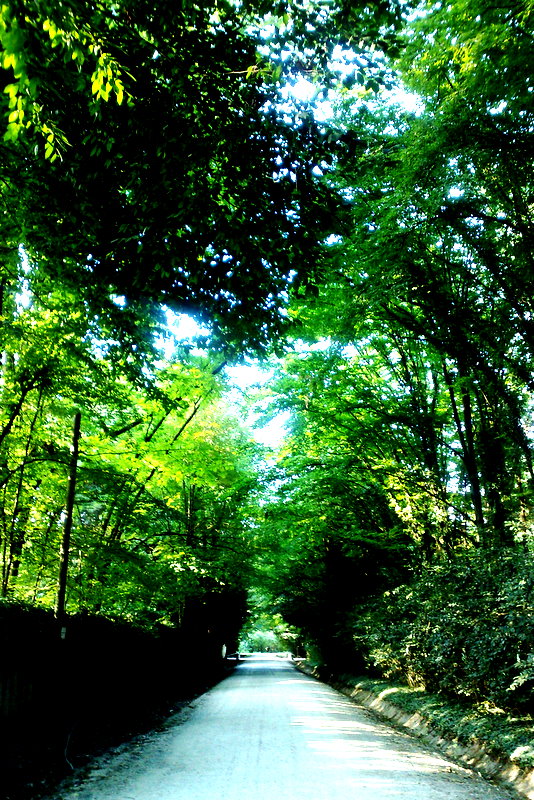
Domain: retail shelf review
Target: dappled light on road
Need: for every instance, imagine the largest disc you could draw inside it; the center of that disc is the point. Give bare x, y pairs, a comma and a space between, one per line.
271, 733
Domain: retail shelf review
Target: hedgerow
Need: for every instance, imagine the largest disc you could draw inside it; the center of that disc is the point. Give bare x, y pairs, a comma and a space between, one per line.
462, 628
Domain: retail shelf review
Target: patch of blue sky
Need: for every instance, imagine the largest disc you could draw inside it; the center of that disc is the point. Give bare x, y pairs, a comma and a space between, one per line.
179, 329
23, 298
323, 106
244, 381
274, 433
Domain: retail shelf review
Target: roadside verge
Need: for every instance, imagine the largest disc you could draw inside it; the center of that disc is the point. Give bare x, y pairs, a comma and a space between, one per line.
456, 730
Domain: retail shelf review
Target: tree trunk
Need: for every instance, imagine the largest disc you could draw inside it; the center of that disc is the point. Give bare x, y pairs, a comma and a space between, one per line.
67, 528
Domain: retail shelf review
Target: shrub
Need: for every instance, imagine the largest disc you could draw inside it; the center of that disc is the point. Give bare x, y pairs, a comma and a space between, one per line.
464, 628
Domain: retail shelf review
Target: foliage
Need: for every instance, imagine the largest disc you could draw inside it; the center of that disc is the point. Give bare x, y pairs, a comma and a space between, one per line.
429, 263
331, 541
380, 402
411, 385
464, 629
265, 632
163, 477
145, 156
155, 157
147, 162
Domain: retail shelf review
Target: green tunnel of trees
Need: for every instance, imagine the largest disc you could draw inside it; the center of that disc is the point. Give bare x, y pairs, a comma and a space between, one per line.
372, 246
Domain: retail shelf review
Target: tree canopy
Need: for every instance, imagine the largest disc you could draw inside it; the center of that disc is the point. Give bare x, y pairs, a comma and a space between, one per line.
406, 483
146, 155
375, 243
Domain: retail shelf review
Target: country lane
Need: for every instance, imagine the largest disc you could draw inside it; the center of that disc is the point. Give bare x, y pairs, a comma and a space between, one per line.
267, 732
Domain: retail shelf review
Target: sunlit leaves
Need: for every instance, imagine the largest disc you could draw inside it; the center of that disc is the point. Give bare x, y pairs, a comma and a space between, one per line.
469, 52
175, 114
29, 38
164, 471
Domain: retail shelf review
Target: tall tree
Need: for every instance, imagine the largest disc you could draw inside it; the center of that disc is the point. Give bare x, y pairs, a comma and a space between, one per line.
441, 246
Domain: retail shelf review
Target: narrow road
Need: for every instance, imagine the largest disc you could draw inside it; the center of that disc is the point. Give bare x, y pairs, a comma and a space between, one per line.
268, 732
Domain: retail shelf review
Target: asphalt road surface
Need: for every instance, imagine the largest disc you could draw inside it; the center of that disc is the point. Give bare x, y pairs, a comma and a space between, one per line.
268, 732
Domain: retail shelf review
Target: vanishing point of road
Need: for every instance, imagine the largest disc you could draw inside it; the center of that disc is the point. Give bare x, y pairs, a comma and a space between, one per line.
268, 732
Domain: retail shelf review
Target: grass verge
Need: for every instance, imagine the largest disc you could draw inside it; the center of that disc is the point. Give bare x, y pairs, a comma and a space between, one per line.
503, 735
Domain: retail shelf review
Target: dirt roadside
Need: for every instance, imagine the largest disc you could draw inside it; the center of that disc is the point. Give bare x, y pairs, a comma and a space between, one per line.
477, 755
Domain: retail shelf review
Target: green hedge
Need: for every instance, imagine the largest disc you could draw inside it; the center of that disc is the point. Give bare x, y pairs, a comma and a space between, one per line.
464, 628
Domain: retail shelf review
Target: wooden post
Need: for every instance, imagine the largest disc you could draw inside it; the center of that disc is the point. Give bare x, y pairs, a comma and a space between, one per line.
67, 528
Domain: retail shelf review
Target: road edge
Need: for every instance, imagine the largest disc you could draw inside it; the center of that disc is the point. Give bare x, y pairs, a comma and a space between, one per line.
475, 755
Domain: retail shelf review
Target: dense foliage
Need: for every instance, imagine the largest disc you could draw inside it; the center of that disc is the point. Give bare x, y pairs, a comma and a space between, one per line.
145, 154
158, 157
403, 517
463, 628
145, 164
162, 477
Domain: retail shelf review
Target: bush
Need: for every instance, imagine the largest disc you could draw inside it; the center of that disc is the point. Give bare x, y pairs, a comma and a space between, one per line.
463, 628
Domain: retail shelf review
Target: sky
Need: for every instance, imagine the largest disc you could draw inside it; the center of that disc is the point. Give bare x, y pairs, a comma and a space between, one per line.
245, 380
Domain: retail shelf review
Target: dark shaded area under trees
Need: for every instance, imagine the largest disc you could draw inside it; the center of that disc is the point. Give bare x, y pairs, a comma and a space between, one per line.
64, 699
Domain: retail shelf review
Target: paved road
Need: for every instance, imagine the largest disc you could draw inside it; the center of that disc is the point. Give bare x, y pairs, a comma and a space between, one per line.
270, 733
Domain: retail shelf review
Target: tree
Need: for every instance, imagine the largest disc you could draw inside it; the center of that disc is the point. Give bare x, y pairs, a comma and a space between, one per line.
171, 176
161, 495
418, 383
331, 534
438, 251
